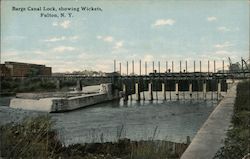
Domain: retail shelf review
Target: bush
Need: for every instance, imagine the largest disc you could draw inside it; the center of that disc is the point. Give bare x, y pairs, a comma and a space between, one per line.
48, 85
32, 138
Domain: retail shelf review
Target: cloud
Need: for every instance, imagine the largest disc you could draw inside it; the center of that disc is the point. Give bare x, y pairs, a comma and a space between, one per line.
54, 39
223, 45
63, 48
99, 37
162, 22
64, 24
222, 53
105, 38
61, 38
15, 37
210, 19
118, 45
72, 38
108, 39
223, 29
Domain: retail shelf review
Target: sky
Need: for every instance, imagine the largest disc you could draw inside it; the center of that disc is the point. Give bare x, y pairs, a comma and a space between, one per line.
159, 30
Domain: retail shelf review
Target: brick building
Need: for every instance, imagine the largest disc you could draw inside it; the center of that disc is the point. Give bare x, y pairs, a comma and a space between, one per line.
18, 69
4, 71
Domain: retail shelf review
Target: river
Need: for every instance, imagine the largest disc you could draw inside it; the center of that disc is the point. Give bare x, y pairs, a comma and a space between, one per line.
159, 119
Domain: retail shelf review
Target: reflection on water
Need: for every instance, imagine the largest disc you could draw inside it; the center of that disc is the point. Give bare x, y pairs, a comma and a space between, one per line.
171, 120
158, 119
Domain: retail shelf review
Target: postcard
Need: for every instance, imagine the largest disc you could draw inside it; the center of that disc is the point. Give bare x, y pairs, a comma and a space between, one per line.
125, 79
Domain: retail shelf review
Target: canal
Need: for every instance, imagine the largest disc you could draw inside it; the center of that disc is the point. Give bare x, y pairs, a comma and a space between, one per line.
144, 120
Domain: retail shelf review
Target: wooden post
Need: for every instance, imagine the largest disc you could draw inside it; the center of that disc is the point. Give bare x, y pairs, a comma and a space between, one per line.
127, 68
159, 67
223, 66
208, 66
186, 67
166, 66
214, 66
133, 69
200, 66
153, 65
120, 68
172, 66
140, 67
194, 66
180, 66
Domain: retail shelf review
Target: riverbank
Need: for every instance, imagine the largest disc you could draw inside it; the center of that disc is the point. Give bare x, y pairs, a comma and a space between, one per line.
237, 143
34, 137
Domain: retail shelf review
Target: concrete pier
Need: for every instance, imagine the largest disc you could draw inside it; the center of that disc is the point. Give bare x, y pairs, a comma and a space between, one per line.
156, 94
150, 91
190, 90
212, 134
79, 85
177, 90
58, 84
164, 91
204, 90
131, 92
125, 92
218, 90
137, 92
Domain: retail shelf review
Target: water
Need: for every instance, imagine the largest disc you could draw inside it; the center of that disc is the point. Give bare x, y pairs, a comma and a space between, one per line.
165, 120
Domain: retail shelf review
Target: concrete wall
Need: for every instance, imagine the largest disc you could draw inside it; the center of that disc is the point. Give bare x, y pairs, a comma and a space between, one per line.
44, 104
63, 104
212, 134
78, 102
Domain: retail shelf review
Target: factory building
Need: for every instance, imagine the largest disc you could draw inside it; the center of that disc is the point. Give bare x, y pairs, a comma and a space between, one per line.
18, 69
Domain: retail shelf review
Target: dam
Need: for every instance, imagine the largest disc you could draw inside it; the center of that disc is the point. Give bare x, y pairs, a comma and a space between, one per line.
63, 101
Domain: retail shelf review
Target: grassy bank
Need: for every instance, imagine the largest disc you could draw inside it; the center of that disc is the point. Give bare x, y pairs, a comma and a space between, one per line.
237, 143
34, 138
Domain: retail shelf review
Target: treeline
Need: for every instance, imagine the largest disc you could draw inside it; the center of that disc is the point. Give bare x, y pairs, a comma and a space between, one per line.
10, 86
84, 73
